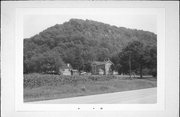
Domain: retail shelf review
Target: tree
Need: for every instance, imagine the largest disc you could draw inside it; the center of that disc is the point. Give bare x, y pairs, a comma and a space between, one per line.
43, 63
151, 59
133, 57
78, 61
116, 63
50, 61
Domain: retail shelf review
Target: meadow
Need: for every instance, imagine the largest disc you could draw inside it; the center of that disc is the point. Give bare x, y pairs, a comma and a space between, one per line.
47, 86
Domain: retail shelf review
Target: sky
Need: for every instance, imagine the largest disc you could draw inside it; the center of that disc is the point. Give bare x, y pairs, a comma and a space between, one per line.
33, 24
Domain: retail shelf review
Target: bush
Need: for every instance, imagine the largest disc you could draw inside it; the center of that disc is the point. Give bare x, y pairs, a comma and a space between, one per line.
94, 78
37, 80
101, 77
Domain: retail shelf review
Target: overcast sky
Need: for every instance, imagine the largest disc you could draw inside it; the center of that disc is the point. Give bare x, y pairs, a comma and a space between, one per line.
33, 24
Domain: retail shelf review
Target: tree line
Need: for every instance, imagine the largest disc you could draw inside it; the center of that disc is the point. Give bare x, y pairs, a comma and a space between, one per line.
136, 57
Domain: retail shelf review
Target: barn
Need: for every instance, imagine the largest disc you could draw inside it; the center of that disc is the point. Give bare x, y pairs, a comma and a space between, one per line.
101, 68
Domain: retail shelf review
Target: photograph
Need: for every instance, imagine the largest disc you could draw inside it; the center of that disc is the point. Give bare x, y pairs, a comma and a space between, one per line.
90, 58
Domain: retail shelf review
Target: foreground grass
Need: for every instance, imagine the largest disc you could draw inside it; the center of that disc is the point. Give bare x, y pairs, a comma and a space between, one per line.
44, 87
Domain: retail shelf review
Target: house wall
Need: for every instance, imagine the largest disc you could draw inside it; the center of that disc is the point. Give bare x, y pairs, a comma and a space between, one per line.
107, 68
101, 71
97, 69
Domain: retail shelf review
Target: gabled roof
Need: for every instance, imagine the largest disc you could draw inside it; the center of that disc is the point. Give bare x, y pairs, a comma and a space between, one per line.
108, 61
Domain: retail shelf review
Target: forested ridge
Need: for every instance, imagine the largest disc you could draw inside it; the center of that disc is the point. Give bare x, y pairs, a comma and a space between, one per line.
79, 42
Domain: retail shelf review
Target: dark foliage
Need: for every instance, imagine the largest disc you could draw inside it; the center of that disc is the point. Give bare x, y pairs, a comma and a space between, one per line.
136, 57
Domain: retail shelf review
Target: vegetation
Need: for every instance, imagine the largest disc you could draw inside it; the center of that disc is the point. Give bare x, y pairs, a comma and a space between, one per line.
45, 86
79, 42
38, 80
136, 57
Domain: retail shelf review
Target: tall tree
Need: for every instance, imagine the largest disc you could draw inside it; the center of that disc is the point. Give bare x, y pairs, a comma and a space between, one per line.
78, 60
133, 57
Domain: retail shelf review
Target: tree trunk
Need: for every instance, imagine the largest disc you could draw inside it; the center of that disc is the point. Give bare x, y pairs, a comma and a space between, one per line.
141, 71
130, 65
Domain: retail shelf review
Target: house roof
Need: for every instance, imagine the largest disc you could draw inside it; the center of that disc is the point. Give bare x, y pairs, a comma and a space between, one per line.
98, 62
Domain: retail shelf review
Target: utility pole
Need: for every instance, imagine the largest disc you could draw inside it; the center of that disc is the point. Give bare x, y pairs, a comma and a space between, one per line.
130, 65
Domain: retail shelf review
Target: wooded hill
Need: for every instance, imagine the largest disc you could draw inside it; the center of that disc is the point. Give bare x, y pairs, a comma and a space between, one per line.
79, 42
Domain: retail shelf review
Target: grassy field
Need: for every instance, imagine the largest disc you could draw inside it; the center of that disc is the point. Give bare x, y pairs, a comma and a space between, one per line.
44, 87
